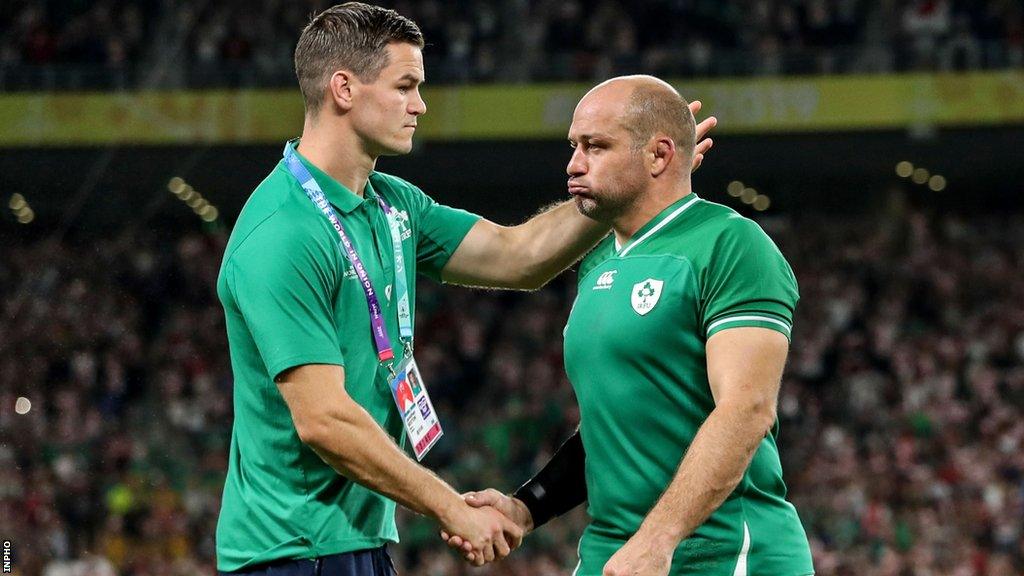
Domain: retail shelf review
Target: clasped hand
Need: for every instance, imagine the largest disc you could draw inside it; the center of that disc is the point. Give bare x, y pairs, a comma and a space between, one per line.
497, 526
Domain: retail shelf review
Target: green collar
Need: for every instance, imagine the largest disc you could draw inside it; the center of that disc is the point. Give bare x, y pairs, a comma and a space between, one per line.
658, 222
337, 194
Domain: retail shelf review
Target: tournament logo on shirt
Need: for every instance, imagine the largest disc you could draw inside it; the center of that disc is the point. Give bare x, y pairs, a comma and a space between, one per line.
402, 219
645, 295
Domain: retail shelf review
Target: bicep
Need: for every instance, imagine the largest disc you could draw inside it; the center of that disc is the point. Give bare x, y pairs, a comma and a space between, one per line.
745, 365
313, 393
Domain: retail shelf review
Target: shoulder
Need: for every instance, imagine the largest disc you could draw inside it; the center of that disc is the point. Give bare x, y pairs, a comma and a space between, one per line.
719, 219
404, 196
278, 219
732, 246
722, 229
394, 188
390, 180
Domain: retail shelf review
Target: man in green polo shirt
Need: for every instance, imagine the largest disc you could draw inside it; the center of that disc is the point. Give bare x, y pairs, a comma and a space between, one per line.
318, 289
675, 348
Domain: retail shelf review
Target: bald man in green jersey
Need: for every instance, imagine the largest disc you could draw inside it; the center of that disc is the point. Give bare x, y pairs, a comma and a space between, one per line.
675, 347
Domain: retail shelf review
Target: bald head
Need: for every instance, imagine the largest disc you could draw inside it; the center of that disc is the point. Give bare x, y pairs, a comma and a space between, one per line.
632, 140
651, 106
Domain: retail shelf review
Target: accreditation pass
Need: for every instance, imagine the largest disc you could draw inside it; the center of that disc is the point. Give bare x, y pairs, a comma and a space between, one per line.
418, 414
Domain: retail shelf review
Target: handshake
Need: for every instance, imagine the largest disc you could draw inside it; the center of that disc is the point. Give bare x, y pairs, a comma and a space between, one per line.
488, 527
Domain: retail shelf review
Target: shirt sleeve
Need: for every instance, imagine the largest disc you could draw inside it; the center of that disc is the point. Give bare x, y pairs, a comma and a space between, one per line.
283, 281
440, 230
747, 282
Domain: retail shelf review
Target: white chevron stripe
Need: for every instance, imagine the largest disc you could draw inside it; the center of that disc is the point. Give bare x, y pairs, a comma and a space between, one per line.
659, 226
741, 560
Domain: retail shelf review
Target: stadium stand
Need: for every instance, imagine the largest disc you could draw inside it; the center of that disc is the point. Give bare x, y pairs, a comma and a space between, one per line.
900, 412
132, 43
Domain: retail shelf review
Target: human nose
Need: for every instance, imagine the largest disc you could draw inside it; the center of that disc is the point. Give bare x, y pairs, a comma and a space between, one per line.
577, 164
418, 106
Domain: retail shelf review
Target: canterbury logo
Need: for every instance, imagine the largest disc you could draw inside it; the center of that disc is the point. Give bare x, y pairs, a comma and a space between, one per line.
604, 281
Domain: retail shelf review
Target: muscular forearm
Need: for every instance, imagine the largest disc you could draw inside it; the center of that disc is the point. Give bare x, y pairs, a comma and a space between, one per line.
354, 445
551, 241
523, 257
710, 471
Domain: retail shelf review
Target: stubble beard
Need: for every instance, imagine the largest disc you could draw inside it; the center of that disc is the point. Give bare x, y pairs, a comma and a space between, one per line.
609, 206
586, 206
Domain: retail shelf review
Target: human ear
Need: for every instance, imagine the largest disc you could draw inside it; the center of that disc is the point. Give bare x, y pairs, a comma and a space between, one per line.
662, 150
339, 87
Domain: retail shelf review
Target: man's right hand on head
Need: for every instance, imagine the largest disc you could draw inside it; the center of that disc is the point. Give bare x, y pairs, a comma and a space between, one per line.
482, 533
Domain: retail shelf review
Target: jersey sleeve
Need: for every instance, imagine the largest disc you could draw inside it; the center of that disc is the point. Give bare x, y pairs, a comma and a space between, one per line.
283, 281
440, 229
747, 282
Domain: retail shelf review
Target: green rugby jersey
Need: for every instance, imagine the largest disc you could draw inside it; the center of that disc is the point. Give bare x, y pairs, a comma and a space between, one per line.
291, 297
635, 354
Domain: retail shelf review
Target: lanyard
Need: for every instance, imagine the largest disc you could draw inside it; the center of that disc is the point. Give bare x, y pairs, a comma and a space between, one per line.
401, 282
380, 333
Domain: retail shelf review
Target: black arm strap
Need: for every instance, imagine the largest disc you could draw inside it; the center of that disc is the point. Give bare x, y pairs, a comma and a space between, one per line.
560, 486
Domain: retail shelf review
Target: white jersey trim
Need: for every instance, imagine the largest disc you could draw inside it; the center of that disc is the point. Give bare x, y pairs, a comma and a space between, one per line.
658, 226
579, 545
718, 323
741, 560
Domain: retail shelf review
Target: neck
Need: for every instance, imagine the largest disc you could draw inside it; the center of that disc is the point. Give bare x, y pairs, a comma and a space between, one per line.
649, 206
337, 152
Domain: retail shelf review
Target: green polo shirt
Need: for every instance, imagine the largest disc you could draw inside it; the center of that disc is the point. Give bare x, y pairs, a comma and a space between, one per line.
635, 354
291, 297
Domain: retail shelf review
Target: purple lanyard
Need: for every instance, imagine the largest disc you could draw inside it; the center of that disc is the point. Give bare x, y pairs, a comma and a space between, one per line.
316, 195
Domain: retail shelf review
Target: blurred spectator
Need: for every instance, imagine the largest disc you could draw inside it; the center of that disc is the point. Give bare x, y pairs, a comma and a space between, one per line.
926, 23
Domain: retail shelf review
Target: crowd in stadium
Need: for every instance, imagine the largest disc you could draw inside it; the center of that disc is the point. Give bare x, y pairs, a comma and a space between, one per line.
229, 43
902, 431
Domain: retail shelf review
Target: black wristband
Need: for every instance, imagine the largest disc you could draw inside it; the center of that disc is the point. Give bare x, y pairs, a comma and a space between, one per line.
560, 486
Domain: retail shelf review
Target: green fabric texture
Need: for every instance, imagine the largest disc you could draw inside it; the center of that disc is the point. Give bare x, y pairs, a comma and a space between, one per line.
635, 354
290, 298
